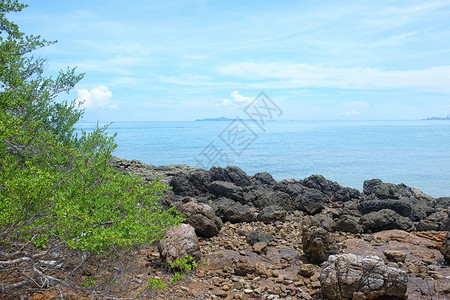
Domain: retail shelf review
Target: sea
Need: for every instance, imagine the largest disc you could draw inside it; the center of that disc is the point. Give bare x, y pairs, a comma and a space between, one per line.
413, 152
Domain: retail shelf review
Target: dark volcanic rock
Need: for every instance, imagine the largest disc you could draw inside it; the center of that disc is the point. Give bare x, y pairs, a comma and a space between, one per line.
318, 244
271, 214
348, 223
376, 188
201, 216
324, 221
234, 212
264, 178
330, 188
191, 184
227, 190
262, 197
230, 174
445, 249
310, 201
256, 236
402, 207
386, 219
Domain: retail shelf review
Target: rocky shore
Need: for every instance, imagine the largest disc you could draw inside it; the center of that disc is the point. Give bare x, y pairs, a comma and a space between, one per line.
301, 239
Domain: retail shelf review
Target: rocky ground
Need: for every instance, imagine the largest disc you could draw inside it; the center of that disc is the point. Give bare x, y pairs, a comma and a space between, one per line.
260, 253
257, 238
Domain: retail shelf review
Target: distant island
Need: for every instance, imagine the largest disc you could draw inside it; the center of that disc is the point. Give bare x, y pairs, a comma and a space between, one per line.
220, 119
439, 118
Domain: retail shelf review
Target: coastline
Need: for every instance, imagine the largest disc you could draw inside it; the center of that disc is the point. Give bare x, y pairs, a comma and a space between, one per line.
267, 239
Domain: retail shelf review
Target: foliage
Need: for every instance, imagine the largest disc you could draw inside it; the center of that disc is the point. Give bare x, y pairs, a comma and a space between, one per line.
57, 184
184, 265
156, 283
87, 282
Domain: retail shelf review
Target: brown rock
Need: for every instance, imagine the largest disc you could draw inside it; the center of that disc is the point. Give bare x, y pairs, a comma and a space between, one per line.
244, 268
395, 256
358, 296
307, 270
435, 236
318, 244
260, 247
262, 270
178, 242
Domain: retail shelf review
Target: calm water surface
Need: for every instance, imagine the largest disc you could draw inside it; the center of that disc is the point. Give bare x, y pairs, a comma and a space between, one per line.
416, 153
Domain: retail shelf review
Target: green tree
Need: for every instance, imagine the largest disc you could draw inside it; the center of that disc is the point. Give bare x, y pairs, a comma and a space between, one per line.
56, 186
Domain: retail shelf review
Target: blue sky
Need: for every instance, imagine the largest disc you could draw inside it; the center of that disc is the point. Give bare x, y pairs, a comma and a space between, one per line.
183, 60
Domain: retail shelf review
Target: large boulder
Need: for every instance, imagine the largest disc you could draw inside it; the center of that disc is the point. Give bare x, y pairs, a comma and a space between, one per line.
230, 174
263, 178
226, 189
178, 242
318, 244
330, 188
386, 219
310, 201
377, 189
402, 207
202, 217
191, 184
234, 212
348, 223
345, 274
271, 214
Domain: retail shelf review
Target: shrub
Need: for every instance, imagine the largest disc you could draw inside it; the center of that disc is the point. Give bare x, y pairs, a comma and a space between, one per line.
56, 186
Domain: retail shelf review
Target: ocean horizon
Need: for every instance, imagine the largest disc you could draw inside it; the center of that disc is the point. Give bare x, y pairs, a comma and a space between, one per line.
413, 152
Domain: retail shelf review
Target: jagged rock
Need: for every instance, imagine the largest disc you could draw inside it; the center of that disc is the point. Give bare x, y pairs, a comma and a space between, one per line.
436, 221
256, 236
318, 182
343, 275
227, 190
230, 174
330, 188
310, 201
377, 189
346, 194
179, 241
324, 221
193, 183
402, 207
234, 212
150, 172
264, 178
201, 216
271, 214
318, 244
348, 223
261, 197
386, 219
445, 249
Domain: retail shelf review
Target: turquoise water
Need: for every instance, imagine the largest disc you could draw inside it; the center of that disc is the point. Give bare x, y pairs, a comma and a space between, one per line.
416, 153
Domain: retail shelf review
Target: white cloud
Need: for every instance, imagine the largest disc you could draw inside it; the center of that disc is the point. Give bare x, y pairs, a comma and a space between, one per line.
236, 99
300, 75
98, 97
352, 113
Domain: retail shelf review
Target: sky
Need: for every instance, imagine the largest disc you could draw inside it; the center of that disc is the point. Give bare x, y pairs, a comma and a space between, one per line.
183, 60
